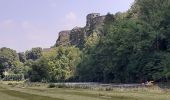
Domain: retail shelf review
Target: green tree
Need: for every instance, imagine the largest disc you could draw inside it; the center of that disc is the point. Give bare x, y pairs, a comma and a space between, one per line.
34, 53
8, 57
22, 57
39, 71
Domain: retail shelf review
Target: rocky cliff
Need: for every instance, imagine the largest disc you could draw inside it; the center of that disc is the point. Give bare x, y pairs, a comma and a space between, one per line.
77, 35
64, 38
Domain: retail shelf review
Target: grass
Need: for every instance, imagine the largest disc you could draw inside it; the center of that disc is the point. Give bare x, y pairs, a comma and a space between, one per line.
11, 92
27, 96
22, 95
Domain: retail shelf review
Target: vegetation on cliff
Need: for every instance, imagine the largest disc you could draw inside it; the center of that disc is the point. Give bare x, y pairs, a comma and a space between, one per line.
125, 47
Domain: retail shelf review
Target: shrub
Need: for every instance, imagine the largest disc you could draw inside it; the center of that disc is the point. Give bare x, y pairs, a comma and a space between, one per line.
13, 77
52, 85
61, 86
10, 84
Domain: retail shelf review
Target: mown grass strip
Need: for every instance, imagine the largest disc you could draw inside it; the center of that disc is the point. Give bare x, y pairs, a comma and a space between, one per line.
27, 96
80, 92
101, 96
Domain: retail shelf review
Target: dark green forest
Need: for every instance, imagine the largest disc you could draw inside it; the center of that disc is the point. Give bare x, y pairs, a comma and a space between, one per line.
134, 47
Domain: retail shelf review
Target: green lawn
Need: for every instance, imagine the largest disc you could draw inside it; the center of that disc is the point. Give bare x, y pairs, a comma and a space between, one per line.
42, 93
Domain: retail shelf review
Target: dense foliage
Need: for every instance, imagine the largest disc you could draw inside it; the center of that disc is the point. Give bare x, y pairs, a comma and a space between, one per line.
134, 47
58, 64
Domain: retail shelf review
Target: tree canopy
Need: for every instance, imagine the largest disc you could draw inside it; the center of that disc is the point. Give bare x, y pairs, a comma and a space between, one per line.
134, 46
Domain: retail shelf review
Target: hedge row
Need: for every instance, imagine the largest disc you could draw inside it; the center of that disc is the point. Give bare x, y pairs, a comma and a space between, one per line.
13, 77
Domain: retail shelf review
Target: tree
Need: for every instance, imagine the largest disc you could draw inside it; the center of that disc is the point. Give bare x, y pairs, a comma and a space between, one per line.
22, 57
8, 57
39, 71
63, 65
34, 53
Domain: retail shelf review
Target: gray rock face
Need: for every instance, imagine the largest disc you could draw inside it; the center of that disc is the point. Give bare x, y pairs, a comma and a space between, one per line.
96, 25
90, 18
64, 38
77, 35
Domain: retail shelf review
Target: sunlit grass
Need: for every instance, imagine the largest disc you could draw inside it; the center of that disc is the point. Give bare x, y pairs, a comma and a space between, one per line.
43, 93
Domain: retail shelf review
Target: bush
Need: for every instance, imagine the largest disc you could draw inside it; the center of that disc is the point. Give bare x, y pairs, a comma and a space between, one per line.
13, 77
35, 77
61, 86
109, 89
10, 84
13, 84
52, 85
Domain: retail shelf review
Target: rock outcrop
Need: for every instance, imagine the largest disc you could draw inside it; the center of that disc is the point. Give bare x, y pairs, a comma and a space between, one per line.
77, 35
64, 38
94, 23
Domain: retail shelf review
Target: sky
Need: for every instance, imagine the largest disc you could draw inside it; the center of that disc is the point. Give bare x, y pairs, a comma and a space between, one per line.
25, 24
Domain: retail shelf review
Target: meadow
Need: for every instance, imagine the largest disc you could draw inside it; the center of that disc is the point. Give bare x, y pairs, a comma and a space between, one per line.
13, 91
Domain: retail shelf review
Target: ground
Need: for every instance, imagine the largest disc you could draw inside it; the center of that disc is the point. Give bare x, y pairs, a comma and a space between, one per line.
10, 92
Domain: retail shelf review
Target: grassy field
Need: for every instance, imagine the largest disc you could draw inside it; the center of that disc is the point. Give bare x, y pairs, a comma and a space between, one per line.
11, 92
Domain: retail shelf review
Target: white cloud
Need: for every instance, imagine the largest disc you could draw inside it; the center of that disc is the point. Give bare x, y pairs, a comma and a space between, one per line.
69, 22
25, 24
7, 24
71, 16
21, 35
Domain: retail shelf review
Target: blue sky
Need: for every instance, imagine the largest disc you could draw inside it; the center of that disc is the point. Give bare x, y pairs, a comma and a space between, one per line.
35, 23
